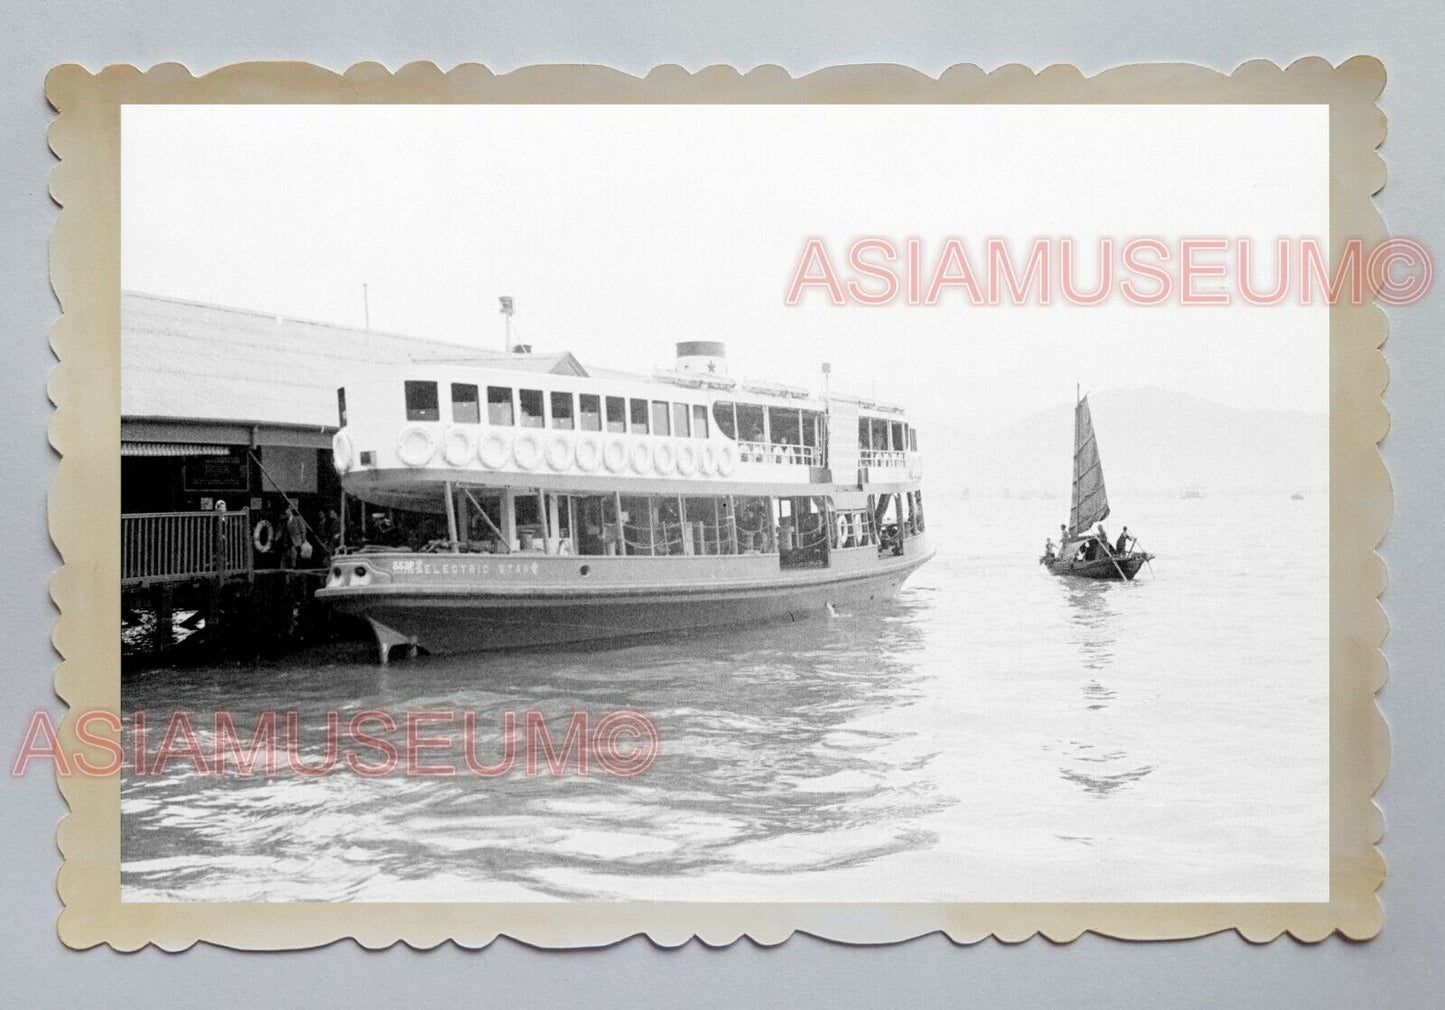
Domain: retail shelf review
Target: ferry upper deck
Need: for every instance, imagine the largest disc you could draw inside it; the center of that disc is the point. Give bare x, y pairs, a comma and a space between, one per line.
689, 430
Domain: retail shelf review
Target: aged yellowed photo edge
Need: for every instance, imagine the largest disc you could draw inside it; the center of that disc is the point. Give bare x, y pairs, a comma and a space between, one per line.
84, 503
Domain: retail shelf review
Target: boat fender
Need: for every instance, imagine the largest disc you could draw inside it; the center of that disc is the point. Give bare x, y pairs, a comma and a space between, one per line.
263, 537
416, 446
727, 460
492, 450
614, 455
341, 452
589, 453
664, 457
457, 448
686, 460
641, 457
707, 460
559, 453
527, 450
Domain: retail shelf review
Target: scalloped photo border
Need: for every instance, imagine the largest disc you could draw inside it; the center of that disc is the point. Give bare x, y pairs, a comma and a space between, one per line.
85, 491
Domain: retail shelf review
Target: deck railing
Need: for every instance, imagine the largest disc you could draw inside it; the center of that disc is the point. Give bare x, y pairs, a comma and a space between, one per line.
882, 457
178, 546
781, 453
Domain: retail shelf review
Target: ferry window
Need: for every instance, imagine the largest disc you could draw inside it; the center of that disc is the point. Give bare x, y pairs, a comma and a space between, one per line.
530, 401
499, 405
863, 433
897, 436
590, 409
785, 426
341, 405
752, 422
661, 423
679, 420
699, 421
912, 439
726, 417
880, 432
421, 401
638, 417
562, 411
616, 413
464, 403
810, 428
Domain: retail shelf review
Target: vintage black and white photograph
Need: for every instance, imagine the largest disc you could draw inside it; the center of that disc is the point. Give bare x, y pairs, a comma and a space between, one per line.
725, 503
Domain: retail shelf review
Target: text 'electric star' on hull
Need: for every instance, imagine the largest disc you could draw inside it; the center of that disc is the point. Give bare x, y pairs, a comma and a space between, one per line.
559, 507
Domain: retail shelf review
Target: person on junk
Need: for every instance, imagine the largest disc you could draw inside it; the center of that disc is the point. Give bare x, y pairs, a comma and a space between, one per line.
1124, 540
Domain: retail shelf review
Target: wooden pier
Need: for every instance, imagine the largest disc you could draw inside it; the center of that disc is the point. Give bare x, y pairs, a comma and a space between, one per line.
202, 566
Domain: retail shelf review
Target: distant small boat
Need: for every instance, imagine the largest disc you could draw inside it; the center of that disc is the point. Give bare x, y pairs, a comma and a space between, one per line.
1193, 491
1083, 553
1297, 496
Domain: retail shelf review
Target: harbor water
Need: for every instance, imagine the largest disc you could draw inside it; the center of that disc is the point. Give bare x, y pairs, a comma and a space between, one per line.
993, 734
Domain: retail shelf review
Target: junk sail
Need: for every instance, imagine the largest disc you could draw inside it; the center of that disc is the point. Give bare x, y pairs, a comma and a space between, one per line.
1083, 552
1091, 502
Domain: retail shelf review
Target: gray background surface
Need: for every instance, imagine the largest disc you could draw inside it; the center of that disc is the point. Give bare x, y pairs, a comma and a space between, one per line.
1400, 968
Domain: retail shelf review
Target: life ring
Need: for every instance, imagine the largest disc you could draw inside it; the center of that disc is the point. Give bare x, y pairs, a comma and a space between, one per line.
492, 450
589, 453
559, 453
457, 447
263, 537
640, 457
664, 457
416, 446
341, 452
614, 455
686, 459
727, 460
527, 450
707, 459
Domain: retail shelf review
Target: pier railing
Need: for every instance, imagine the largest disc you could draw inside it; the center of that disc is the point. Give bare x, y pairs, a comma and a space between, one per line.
179, 546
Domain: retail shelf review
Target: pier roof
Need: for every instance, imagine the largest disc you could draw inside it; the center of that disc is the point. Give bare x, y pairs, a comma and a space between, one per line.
190, 361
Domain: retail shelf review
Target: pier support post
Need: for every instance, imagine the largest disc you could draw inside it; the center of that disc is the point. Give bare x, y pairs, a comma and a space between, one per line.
163, 634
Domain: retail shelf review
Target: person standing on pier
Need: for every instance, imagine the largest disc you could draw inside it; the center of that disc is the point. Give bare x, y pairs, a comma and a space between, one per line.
293, 533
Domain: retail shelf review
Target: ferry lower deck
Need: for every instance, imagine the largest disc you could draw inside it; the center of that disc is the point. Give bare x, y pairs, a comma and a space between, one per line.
528, 568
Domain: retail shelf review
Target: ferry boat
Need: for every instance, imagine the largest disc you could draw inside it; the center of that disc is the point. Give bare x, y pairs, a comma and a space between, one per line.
581, 507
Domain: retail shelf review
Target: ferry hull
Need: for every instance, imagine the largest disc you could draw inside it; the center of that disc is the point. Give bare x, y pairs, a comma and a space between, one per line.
458, 618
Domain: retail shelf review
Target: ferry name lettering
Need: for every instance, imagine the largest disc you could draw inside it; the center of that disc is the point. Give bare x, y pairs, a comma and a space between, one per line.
418, 566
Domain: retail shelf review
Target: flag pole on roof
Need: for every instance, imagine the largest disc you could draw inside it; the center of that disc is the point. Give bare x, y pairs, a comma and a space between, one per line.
507, 310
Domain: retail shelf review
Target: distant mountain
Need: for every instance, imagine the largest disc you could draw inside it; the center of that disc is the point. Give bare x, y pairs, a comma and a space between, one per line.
1152, 441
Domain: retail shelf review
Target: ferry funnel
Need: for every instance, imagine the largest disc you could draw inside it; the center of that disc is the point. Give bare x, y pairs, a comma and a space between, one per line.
706, 356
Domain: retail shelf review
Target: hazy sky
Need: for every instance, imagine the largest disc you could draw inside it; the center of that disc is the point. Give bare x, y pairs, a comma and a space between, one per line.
621, 229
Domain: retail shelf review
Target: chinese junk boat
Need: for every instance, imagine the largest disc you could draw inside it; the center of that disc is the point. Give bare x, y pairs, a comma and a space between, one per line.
1084, 551
580, 507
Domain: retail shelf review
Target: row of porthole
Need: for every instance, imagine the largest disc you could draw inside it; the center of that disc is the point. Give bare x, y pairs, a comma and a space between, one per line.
529, 451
